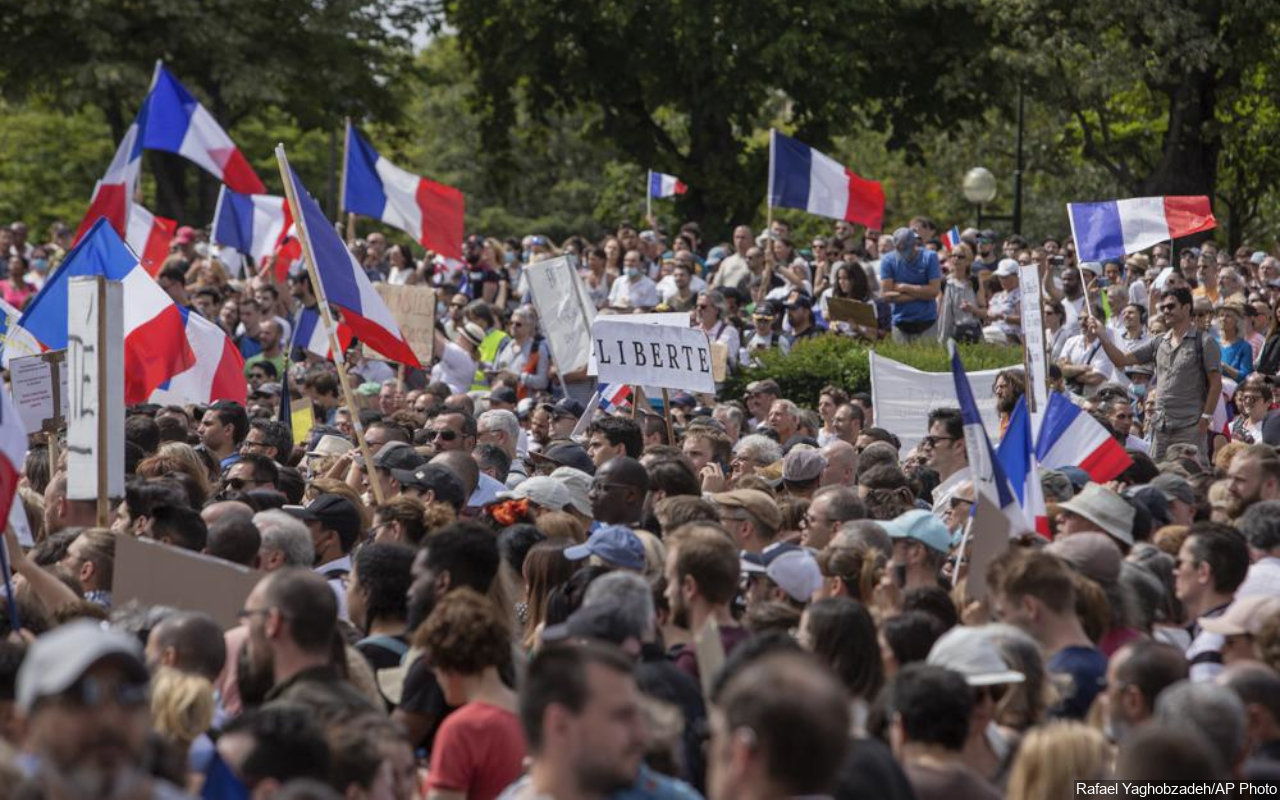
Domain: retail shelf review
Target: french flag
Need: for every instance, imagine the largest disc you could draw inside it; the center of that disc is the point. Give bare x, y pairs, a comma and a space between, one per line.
253, 225
149, 237
613, 396
113, 195
801, 177
309, 335
430, 212
155, 338
951, 239
343, 283
989, 477
218, 373
1017, 454
14, 341
661, 185
1115, 228
176, 122
1069, 437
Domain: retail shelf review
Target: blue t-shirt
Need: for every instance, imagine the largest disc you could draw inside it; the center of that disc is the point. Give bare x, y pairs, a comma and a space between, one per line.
922, 268
1087, 669
1239, 355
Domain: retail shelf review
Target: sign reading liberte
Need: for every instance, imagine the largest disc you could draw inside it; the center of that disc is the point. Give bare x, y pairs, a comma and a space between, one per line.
652, 355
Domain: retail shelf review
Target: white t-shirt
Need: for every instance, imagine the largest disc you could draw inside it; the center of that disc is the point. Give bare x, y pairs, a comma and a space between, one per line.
639, 294
456, 368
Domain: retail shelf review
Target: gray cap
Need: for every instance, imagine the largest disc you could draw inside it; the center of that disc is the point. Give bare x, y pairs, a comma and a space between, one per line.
970, 651
62, 656
803, 465
1174, 487
904, 237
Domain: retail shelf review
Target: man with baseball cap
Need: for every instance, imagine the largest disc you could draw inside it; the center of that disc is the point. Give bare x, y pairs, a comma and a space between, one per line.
82, 694
750, 516
910, 279
335, 527
802, 470
786, 574
616, 546
1240, 624
920, 545
430, 482
393, 456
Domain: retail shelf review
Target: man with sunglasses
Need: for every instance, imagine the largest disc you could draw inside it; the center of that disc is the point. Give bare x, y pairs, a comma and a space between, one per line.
452, 431
82, 692
945, 450
1188, 372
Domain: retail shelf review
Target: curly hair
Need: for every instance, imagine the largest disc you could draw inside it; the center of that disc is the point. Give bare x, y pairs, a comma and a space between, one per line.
465, 634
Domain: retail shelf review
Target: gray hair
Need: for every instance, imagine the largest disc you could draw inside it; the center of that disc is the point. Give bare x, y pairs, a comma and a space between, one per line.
1213, 711
527, 313
501, 420
284, 534
866, 532
733, 413
629, 594
716, 298
758, 448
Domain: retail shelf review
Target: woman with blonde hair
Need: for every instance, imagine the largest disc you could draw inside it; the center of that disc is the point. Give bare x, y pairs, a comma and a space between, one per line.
1054, 757
177, 457
563, 526
181, 708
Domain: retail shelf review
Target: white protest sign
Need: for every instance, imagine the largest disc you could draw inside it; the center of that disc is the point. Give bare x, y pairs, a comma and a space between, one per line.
31, 382
1033, 336
675, 319
903, 397
95, 417
653, 355
565, 311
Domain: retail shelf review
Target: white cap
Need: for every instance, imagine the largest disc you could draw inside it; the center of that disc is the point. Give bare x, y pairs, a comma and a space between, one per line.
969, 651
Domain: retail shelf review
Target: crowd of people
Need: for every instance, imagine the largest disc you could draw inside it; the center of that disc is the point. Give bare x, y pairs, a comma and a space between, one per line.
518, 594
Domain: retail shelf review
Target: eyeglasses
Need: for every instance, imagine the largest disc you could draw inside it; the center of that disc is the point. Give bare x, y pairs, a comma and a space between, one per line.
447, 434
932, 441
251, 443
247, 613
1165, 308
600, 487
956, 501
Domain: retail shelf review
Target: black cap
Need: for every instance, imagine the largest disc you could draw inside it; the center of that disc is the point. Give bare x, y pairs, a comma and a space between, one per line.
435, 478
801, 301
333, 512
503, 394
567, 407
567, 453
398, 455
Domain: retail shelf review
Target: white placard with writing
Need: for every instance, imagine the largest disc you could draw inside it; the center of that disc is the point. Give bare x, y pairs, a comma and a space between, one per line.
653, 355
903, 396
565, 311
1033, 336
31, 382
95, 385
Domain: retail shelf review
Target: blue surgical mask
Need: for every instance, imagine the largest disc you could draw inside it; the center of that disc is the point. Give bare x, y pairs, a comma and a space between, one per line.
509, 258
1139, 390
40, 265
633, 272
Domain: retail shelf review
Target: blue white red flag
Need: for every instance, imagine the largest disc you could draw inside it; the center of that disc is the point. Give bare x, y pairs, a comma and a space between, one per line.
989, 477
149, 238
432, 213
344, 285
1115, 228
218, 373
662, 185
1069, 437
253, 225
176, 122
155, 339
801, 177
1017, 455
613, 396
951, 239
113, 195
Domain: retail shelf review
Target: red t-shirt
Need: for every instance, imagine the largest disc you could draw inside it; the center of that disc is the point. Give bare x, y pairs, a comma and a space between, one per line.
479, 750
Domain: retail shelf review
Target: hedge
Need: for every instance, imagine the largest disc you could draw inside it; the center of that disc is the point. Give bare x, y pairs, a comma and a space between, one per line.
843, 361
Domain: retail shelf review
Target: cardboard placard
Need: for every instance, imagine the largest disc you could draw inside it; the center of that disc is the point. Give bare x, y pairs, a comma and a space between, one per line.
414, 308
565, 310
719, 361
653, 355
158, 574
856, 312
31, 382
988, 537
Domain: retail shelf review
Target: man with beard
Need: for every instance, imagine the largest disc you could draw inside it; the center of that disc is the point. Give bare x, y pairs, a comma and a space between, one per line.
292, 616
460, 554
1010, 385
583, 722
82, 694
702, 572
1138, 672
1253, 477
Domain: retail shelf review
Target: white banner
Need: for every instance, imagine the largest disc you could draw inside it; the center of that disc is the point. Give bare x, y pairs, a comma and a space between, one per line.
675, 319
903, 397
565, 311
652, 355
1033, 336
95, 380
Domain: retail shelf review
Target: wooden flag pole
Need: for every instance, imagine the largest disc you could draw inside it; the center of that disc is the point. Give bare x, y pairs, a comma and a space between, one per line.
666, 415
342, 182
648, 200
339, 356
104, 398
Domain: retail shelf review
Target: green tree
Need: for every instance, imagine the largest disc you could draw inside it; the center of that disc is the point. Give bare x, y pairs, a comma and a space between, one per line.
317, 62
685, 88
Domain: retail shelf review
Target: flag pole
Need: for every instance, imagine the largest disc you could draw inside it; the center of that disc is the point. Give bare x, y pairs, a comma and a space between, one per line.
767, 278
342, 182
648, 200
339, 356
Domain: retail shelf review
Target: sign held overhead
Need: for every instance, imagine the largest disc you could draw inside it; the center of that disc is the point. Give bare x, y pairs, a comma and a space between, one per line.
653, 355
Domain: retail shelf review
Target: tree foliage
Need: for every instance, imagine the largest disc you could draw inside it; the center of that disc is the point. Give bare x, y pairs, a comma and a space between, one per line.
685, 87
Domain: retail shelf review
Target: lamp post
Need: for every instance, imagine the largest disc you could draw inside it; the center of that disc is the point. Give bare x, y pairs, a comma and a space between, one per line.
979, 188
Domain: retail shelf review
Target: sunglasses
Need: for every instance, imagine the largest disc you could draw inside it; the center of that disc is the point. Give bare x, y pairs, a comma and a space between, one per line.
932, 441
447, 434
1166, 308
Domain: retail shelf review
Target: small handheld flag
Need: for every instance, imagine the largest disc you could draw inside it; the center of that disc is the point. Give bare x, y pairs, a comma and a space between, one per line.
661, 185
951, 239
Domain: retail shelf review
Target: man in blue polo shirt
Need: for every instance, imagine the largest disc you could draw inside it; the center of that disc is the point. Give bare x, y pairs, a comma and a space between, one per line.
910, 279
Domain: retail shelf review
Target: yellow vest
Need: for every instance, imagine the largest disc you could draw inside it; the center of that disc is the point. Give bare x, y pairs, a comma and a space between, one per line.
488, 352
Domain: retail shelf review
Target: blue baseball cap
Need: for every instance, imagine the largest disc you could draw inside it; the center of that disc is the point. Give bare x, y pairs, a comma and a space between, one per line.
616, 544
922, 526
